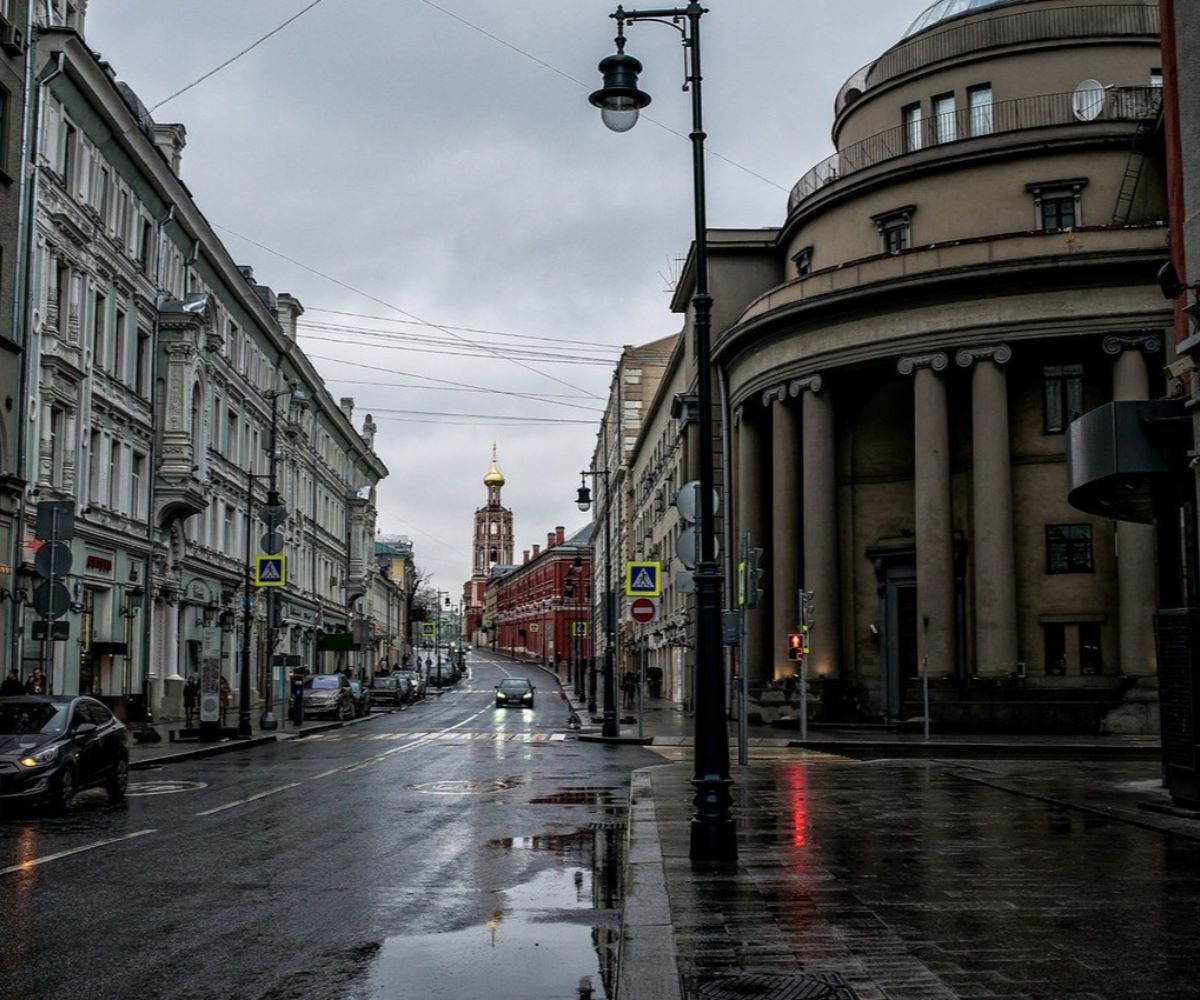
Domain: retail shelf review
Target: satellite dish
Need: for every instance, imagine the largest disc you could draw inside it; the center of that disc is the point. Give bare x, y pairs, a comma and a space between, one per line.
1088, 100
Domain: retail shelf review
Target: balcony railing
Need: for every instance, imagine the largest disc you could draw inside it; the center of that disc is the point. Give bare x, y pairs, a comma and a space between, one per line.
1041, 111
1019, 28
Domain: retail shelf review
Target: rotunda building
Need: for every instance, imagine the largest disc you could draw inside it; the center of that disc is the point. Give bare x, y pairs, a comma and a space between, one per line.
973, 267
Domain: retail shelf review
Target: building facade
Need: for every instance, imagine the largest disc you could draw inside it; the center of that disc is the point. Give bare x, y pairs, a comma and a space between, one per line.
169, 400
634, 384
542, 606
16, 23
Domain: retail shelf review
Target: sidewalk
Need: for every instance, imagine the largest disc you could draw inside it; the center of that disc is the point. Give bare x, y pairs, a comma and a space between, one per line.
167, 750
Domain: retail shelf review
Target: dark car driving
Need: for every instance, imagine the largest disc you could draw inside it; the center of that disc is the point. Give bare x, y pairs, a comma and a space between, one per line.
54, 746
514, 691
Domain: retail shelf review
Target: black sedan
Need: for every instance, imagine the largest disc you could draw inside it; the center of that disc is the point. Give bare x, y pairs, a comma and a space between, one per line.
54, 746
514, 692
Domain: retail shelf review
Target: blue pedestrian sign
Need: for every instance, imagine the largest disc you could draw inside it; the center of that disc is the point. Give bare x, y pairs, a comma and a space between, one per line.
270, 571
643, 579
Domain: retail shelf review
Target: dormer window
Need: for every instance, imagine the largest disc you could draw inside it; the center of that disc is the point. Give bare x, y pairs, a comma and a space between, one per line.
895, 228
803, 262
1057, 204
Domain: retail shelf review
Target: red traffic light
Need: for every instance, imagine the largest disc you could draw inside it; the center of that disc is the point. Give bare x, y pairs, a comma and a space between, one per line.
795, 645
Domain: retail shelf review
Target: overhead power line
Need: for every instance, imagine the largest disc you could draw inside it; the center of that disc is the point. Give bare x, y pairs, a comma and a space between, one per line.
388, 305
464, 329
535, 397
448, 382
234, 58
408, 336
514, 357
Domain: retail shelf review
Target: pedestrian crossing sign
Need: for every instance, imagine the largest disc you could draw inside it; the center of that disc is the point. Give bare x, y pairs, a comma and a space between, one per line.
428, 630
579, 628
643, 579
270, 571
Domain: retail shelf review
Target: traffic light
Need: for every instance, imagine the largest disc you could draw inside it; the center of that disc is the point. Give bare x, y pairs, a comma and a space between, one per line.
795, 646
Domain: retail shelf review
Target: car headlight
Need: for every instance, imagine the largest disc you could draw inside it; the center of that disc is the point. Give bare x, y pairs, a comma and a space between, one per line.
500, 696
527, 697
41, 758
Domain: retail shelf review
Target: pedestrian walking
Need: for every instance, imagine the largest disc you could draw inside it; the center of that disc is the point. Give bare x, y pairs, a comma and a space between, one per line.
12, 685
191, 698
298, 696
36, 683
629, 687
226, 698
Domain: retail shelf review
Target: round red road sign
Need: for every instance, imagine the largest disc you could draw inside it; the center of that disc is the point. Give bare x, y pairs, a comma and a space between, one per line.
642, 609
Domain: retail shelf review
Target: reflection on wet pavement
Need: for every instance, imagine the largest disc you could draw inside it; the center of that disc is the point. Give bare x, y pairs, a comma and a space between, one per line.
553, 936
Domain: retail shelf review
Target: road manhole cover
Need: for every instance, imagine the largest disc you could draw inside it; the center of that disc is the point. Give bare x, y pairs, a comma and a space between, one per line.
164, 787
462, 787
765, 986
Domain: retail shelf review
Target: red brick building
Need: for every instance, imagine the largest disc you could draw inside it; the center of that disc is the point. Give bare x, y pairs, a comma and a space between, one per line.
543, 605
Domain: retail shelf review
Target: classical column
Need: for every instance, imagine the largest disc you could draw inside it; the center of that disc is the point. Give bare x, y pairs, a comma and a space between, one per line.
934, 527
992, 534
753, 479
785, 548
1137, 585
820, 526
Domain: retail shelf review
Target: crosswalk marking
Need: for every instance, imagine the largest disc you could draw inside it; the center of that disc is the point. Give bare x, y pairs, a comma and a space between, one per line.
486, 737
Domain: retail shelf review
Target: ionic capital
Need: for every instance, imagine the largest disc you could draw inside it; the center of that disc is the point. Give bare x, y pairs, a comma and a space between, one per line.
1147, 343
812, 383
999, 353
775, 393
935, 361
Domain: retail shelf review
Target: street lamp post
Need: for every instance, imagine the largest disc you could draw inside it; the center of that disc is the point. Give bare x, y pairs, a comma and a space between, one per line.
584, 502
713, 832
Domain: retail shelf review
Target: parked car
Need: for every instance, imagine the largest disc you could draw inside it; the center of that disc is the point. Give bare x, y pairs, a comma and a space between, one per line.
362, 698
408, 686
416, 680
328, 694
54, 746
387, 691
514, 691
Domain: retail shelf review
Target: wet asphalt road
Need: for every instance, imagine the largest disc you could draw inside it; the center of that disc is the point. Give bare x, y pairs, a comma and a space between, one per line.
453, 850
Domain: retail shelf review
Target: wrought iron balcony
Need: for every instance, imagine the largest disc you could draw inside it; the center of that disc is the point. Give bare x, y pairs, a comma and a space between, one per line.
965, 124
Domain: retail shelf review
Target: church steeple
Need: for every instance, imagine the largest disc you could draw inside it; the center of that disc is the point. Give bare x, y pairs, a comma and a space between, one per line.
494, 480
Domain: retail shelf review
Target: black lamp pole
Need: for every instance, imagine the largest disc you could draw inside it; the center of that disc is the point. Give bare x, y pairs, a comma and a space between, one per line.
584, 500
243, 729
712, 829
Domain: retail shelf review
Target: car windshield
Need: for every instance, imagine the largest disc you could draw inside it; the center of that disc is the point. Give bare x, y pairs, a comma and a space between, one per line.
325, 683
383, 682
356, 686
515, 684
21, 718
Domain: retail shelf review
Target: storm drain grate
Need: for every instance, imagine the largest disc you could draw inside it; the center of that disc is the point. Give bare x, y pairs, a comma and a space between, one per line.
767, 986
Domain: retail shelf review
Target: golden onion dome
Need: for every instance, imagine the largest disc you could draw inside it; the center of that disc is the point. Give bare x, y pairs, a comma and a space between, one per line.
493, 476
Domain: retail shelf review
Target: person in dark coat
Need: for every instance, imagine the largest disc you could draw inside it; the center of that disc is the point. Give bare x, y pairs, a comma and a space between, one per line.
12, 686
191, 698
36, 683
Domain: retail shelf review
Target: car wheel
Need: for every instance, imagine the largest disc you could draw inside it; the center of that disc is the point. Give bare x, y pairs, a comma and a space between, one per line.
62, 792
118, 782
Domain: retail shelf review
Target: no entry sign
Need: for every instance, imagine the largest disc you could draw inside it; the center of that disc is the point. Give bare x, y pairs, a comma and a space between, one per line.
643, 609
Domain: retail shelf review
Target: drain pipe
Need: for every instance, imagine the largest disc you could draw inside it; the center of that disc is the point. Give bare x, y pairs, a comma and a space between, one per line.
152, 461
30, 177
727, 523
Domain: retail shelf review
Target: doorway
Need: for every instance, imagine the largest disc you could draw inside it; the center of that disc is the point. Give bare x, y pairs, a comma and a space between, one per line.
896, 571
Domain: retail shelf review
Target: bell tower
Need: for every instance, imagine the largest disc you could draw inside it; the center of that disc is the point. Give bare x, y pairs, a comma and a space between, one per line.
493, 543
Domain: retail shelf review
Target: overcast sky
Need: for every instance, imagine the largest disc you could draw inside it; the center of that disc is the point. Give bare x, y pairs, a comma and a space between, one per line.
394, 146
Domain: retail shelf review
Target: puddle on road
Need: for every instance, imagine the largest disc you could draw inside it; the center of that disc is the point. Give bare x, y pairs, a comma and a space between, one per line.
547, 938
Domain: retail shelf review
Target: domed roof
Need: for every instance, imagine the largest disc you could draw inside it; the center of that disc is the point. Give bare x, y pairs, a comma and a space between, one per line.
944, 10
493, 476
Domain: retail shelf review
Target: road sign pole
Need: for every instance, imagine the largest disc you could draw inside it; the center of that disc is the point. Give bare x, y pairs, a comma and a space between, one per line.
642, 691
243, 729
743, 681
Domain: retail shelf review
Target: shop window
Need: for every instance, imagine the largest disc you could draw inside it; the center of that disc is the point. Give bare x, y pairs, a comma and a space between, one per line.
1068, 548
1089, 648
1062, 396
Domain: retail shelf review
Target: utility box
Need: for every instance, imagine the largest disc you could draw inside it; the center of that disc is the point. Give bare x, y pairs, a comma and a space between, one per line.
1177, 635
